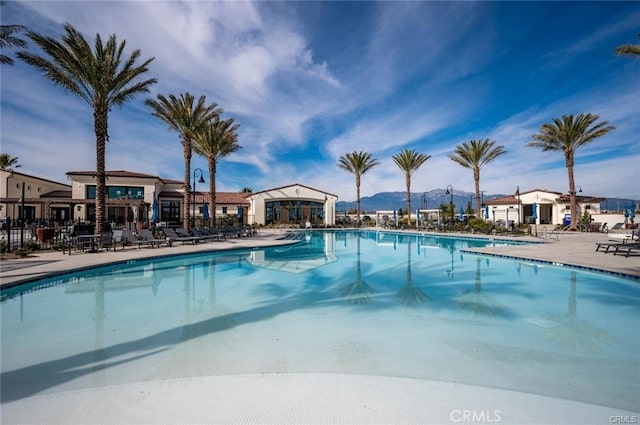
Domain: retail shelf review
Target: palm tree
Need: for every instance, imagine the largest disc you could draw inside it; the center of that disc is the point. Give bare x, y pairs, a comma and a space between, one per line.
101, 77
8, 162
632, 50
566, 135
409, 161
357, 163
216, 140
7, 39
474, 154
187, 119
246, 189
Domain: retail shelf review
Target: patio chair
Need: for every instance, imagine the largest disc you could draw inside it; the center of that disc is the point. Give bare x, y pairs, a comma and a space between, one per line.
628, 248
130, 239
205, 235
147, 235
171, 233
105, 241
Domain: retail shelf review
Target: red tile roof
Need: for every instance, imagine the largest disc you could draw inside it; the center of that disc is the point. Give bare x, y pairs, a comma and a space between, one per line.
57, 194
565, 199
228, 198
505, 200
114, 173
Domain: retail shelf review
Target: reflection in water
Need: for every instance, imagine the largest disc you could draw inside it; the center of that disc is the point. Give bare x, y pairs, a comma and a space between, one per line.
358, 291
410, 295
477, 302
573, 332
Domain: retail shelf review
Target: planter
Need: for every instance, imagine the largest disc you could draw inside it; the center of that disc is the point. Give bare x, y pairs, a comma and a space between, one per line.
45, 234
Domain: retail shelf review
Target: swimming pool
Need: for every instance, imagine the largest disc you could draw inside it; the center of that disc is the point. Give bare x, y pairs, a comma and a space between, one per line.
369, 303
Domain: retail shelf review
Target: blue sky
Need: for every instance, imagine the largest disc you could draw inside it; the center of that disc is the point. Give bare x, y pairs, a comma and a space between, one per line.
311, 81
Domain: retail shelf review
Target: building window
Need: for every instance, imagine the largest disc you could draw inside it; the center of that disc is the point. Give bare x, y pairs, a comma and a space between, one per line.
118, 192
170, 211
224, 210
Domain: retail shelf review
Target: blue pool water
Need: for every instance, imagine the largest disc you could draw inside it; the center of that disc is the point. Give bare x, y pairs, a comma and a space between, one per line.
338, 302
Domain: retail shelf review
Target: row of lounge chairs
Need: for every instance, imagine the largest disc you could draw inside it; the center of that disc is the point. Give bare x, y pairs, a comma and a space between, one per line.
621, 243
145, 237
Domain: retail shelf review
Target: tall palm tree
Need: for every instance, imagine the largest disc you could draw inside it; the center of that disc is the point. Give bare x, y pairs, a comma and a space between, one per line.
8, 162
187, 119
632, 50
216, 140
566, 135
474, 154
357, 163
7, 39
409, 161
102, 77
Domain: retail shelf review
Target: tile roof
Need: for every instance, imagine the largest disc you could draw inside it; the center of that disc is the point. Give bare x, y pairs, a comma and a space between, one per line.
229, 198
505, 200
57, 194
565, 199
114, 173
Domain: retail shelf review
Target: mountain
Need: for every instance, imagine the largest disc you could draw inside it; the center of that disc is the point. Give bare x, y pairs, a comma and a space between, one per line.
395, 200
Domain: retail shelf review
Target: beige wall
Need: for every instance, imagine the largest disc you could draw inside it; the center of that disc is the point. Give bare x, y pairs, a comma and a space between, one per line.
11, 187
293, 192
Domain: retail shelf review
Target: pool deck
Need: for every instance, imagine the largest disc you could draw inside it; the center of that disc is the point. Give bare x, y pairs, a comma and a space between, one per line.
569, 249
284, 398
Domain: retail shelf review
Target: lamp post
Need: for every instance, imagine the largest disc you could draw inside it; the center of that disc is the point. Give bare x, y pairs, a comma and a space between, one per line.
193, 195
518, 195
450, 192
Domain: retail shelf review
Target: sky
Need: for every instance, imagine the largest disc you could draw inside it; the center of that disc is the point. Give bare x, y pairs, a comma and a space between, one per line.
311, 81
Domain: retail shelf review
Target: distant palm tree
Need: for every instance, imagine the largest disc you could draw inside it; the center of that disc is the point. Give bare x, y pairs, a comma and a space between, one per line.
357, 163
187, 119
246, 190
474, 154
632, 50
409, 161
101, 77
566, 135
216, 140
7, 39
8, 162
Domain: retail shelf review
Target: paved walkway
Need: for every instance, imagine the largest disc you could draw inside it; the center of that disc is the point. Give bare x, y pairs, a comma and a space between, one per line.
574, 249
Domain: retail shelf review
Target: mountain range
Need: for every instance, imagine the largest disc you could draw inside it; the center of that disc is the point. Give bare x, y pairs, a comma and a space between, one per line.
433, 198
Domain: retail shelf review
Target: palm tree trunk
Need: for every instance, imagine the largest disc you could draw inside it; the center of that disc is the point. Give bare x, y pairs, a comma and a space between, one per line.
186, 209
358, 197
572, 192
408, 182
100, 128
476, 179
212, 191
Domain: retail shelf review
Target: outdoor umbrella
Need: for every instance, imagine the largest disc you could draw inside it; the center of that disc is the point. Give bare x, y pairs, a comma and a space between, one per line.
486, 212
205, 212
395, 221
154, 211
461, 214
239, 212
632, 211
534, 216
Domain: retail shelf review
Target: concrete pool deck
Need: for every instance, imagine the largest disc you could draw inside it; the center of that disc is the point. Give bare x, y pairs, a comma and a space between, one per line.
289, 398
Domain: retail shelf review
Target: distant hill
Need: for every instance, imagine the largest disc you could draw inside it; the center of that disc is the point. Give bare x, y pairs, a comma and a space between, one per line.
396, 200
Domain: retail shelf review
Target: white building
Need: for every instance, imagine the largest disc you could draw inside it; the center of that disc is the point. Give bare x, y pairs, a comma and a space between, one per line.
293, 204
550, 207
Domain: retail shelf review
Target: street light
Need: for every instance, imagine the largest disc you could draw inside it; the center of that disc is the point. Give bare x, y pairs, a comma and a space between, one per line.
193, 195
450, 192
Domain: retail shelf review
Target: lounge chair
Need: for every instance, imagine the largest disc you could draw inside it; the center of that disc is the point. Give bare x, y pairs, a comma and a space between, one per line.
130, 239
617, 240
205, 235
147, 235
171, 233
628, 248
